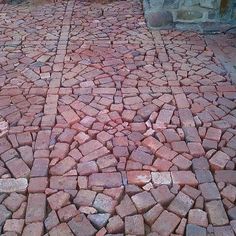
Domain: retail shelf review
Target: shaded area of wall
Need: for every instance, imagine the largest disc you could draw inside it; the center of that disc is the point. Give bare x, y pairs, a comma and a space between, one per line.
161, 13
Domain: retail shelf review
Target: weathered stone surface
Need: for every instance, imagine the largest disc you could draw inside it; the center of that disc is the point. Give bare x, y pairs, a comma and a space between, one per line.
226, 176
159, 18
217, 214
195, 230
60, 230
34, 229
198, 217
81, 226
143, 201
13, 185
99, 220
36, 208
5, 214
126, 207
104, 203
108, 180
166, 223
181, 204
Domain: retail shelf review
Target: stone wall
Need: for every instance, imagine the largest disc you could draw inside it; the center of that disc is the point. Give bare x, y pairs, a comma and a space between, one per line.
163, 12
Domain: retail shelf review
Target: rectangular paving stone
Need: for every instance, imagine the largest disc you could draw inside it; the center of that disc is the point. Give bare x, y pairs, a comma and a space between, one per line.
216, 212
13, 185
36, 208
40, 167
160, 178
43, 139
108, 180
184, 177
186, 118
18, 168
226, 176
63, 182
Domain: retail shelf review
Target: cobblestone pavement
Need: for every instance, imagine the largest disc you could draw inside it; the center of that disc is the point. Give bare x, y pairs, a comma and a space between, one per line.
113, 130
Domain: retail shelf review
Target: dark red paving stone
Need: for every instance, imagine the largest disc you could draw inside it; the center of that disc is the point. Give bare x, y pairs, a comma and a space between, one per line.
151, 143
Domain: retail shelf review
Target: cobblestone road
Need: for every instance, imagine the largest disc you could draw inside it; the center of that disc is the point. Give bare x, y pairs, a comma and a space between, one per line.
114, 130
